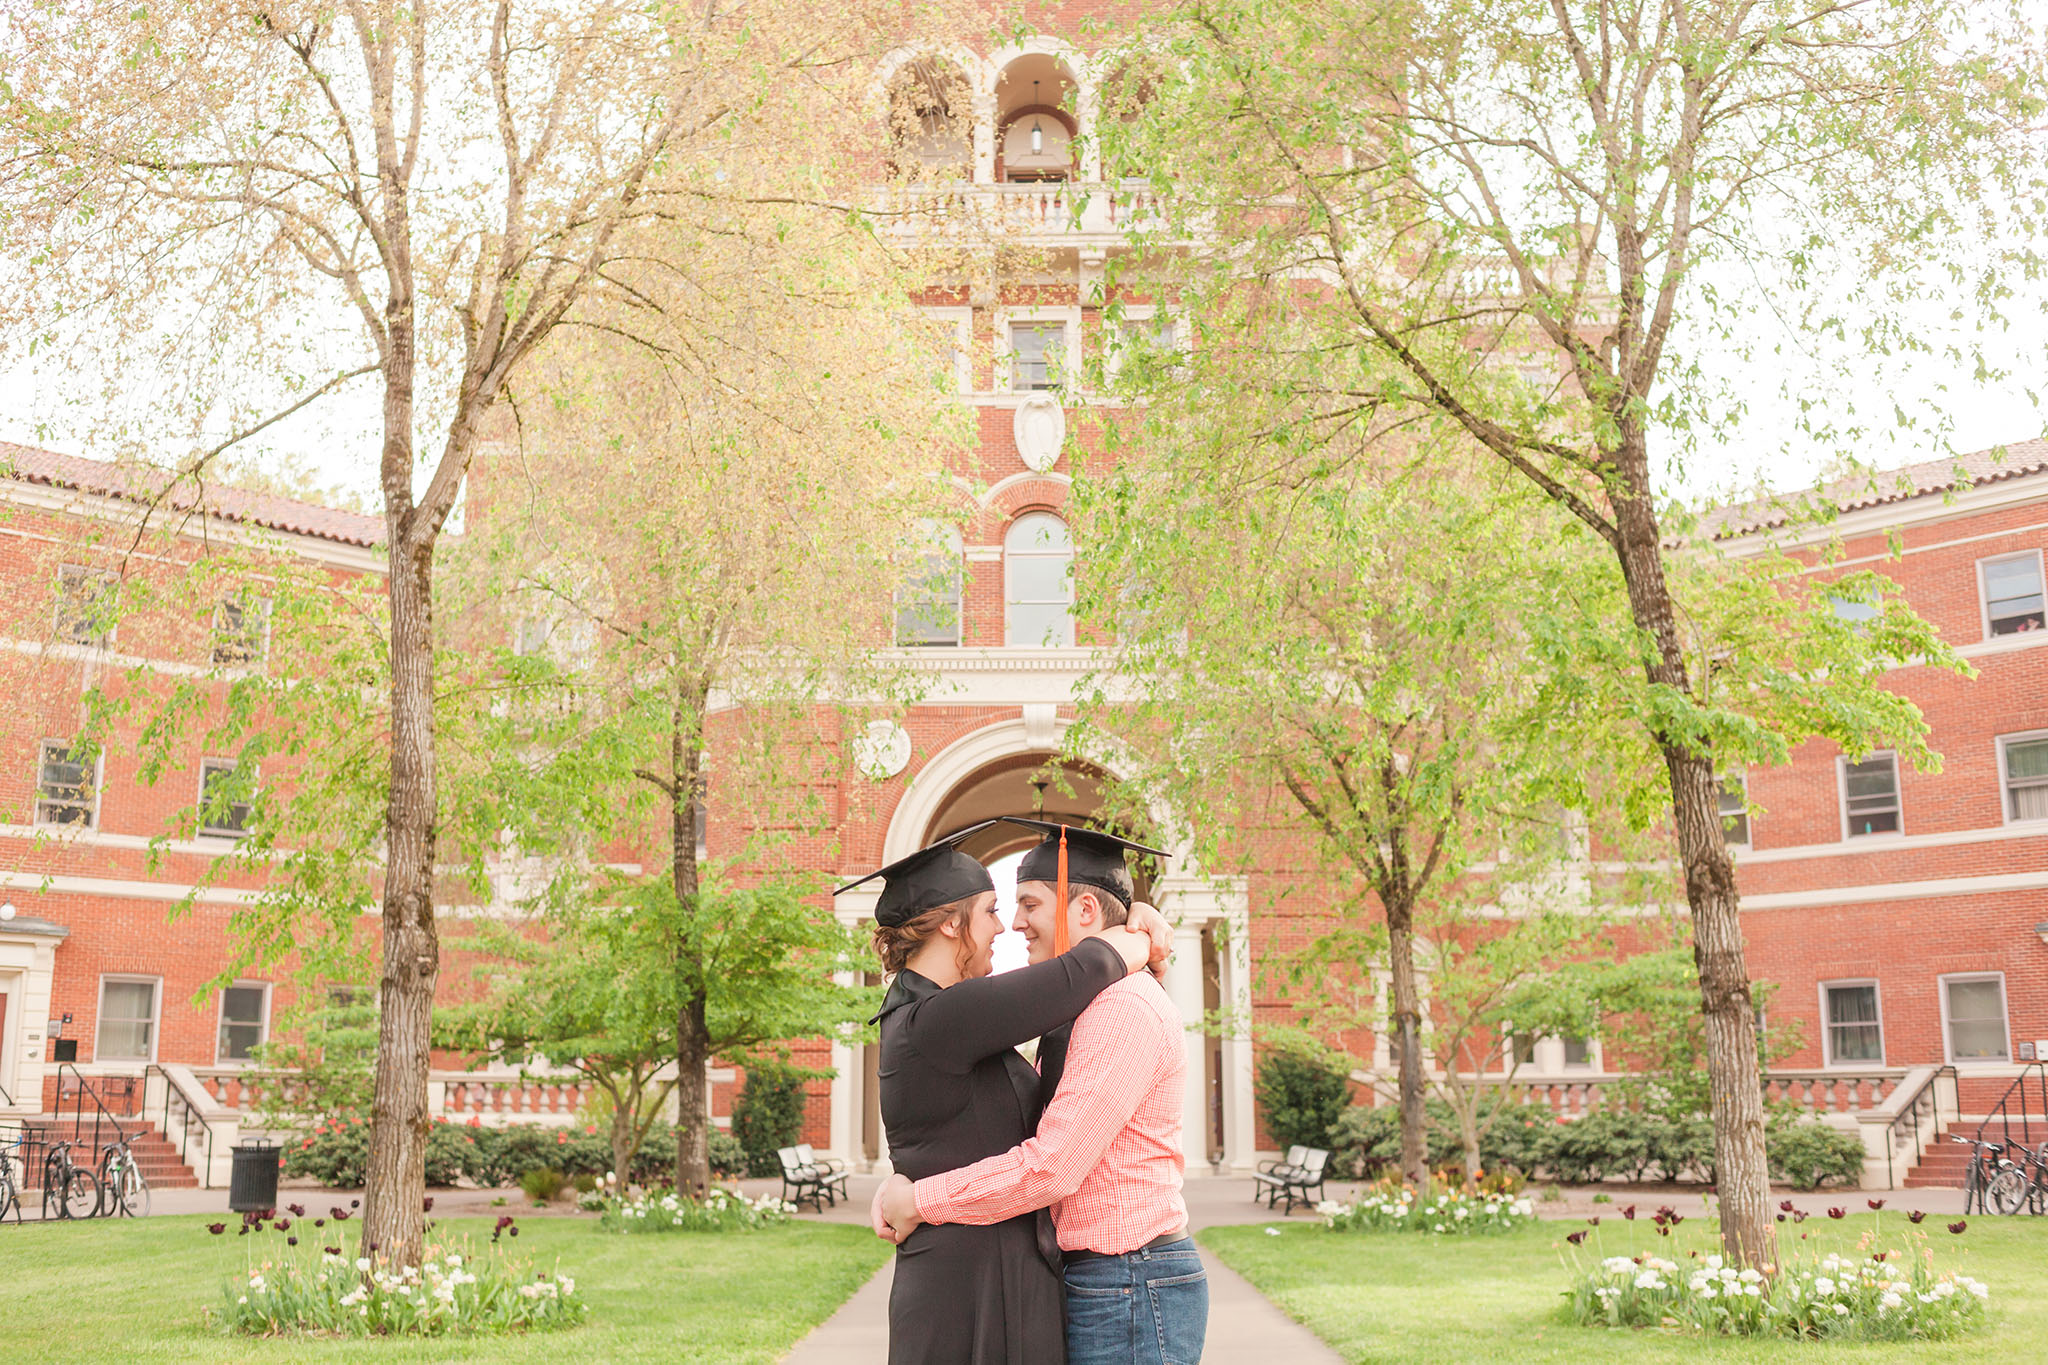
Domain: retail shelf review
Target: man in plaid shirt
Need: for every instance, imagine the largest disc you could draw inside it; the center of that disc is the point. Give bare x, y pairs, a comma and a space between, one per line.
1107, 1155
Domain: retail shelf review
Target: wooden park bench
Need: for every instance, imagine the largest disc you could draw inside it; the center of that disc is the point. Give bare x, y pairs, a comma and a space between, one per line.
1291, 1178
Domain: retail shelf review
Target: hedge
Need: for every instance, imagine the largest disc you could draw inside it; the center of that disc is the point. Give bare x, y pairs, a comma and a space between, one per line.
1603, 1145
335, 1152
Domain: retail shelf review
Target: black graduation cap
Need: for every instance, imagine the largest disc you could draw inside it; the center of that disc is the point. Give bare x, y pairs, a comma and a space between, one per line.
936, 875
1094, 859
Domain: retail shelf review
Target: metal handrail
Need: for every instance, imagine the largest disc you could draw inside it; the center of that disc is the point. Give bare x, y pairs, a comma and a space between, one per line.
189, 1116
2002, 1111
1927, 1095
101, 1115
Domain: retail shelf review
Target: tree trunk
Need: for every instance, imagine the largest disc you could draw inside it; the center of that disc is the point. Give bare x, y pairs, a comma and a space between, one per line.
693, 1099
1748, 1235
1408, 1043
625, 1138
693, 1032
394, 1215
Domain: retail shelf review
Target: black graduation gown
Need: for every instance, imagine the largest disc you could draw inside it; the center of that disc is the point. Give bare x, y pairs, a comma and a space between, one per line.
955, 1090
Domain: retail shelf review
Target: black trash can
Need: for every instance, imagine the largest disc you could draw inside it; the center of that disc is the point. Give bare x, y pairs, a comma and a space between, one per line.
252, 1183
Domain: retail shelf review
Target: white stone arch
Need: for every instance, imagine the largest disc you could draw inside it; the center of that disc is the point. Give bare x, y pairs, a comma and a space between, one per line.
1076, 61
980, 133
1194, 900
979, 79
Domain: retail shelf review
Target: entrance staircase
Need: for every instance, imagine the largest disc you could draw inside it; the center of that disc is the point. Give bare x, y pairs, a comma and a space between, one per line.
154, 1153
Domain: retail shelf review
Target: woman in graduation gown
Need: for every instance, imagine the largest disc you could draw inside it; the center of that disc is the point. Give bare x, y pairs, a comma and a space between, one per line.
955, 1090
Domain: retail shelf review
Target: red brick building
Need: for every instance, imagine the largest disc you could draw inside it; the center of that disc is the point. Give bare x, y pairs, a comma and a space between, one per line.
1902, 916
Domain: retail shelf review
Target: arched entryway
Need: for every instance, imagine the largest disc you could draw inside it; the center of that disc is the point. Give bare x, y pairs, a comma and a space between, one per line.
1013, 768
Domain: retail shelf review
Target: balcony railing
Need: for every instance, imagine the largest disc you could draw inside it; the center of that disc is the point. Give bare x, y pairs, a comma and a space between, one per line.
1050, 210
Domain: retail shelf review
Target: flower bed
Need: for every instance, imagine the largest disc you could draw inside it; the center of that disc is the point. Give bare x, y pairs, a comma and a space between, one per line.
1438, 1212
1875, 1294
453, 1291
721, 1210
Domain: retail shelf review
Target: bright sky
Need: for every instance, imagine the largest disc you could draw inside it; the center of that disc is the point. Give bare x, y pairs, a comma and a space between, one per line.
1010, 952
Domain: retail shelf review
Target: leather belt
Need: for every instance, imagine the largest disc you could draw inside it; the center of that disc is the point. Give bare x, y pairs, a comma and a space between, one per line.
1163, 1239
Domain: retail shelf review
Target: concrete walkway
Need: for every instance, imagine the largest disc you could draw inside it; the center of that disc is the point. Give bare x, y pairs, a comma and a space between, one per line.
1244, 1326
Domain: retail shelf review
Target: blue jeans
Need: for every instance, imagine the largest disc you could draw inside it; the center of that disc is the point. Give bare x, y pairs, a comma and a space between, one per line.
1143, 1308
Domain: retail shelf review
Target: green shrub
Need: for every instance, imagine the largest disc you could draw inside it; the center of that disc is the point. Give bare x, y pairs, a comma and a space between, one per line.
1598, 1145
334, 1151
583, 1182
1301, 1096
542, 1183
1809, 1154
768, 1114
728, 1157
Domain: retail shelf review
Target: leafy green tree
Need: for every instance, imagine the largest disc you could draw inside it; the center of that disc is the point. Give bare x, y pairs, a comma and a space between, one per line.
693, 621
1509, 231
1302, 1092
768, 1115
1290, 615
407, 199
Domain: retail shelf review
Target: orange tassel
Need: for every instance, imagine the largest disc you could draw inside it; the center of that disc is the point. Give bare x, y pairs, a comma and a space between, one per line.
1061, 940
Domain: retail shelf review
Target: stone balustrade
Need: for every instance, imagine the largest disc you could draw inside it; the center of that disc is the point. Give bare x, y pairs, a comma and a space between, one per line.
1047, 209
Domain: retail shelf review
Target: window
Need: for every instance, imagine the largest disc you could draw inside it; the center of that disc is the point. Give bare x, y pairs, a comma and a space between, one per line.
1038, 564
241, 630
223, 798
2013, 602
2024, 759
1578, 1052
1973, 1017
244, 1022
1732, 799
127, 1020
1870, 796
1036, 350
85, 605
928, 602
67, 787
1524, 1046
1141, 334
1849, 1012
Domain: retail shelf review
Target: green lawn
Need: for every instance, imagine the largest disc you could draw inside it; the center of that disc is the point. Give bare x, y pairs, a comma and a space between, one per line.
126, 1291
1406, 1297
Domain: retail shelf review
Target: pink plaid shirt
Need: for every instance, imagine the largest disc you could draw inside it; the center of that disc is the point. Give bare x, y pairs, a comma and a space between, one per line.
1107, 1155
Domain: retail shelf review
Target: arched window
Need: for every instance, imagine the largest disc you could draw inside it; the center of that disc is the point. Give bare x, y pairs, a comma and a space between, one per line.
928, 599
1038, 582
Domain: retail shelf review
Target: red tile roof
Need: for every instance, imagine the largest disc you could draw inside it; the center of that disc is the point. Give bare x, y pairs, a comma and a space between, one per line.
140, 483
1879, 487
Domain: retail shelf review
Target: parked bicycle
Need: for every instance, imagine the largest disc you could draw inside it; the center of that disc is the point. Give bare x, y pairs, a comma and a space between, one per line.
2013, 1189
1988, 1162
10, 1192
69, 1190
122, 1185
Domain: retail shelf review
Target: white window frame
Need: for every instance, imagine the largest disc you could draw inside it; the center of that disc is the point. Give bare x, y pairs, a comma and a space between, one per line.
1112, 347
2005, 777
1068, 318
156, 1014
940, 534
1073, 624
221, 1018
216, 831
1741, 780
1948, 1051
962, 319
1984, 589
57, 630
99, 786
260, 651
1827, 1040
1842, 795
